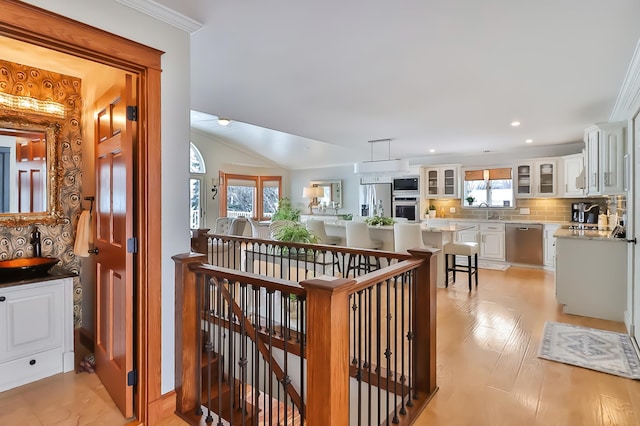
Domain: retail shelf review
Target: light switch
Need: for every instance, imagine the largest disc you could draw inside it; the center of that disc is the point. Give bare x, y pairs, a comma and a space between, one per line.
452, 209
524, 210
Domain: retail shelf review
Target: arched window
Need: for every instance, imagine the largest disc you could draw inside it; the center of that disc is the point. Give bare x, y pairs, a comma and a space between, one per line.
196, 162
197, 169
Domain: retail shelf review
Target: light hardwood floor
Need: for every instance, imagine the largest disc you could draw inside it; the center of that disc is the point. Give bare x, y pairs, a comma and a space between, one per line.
488, 370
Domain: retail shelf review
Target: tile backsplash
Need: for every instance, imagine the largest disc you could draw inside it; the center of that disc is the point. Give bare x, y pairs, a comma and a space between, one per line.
543, 209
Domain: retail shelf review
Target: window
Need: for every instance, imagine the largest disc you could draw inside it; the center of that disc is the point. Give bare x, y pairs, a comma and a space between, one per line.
491, 186
196, 187
249, 196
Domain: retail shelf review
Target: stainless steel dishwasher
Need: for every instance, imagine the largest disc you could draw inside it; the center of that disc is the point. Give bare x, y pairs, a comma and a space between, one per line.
524, 243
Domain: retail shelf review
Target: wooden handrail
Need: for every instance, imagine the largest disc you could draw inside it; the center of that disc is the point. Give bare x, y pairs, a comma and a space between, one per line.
327, 328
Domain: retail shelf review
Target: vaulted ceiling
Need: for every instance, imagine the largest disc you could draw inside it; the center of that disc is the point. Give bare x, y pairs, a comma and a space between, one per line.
447, 76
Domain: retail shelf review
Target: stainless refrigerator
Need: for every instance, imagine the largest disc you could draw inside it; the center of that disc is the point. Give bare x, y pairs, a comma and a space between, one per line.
370, 196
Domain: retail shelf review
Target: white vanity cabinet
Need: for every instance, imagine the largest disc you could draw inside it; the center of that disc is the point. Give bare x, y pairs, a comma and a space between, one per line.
36, 337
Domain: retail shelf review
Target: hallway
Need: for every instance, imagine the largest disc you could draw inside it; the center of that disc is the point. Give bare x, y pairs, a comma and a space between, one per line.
488, 370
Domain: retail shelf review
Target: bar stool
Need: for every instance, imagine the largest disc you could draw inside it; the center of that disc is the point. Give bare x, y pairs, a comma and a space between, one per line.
460, 249
318, 229
357, 234
407, 236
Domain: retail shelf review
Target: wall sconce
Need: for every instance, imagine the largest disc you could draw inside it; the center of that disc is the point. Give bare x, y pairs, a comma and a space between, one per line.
26, 104
214, 189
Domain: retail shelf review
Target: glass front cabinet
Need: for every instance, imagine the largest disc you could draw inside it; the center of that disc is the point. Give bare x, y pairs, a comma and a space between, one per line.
442, 182
537, 178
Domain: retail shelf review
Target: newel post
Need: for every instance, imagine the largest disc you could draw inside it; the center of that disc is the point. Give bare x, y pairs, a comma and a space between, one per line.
187, 326
425, 319
327, 351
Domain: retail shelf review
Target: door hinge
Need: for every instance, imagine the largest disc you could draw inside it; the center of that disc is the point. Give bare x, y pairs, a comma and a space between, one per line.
132, 378
132, 245
132, 113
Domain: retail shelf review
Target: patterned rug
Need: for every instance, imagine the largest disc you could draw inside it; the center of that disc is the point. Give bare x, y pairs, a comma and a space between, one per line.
599, 350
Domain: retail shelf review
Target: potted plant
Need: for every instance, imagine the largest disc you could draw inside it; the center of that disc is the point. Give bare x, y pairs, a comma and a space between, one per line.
294, 232
432, 211
470, 199
286, 211
379, 221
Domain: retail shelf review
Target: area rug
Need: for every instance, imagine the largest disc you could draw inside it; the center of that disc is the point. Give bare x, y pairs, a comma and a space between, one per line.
483, 264
599, 350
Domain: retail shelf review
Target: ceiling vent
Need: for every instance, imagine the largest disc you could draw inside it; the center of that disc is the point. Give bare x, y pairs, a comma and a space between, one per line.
388, 166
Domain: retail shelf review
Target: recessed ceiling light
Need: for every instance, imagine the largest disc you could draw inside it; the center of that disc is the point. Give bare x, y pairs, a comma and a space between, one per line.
432, 150
529, 141
223, 121
515, 123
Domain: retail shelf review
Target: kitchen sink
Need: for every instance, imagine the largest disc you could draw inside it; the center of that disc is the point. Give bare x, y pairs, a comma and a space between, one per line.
22, 268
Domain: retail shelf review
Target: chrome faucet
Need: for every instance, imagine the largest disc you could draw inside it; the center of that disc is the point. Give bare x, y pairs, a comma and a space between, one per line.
491, 214
487, 206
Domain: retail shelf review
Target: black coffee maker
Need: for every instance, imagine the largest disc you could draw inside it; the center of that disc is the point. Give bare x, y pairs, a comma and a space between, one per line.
585, 212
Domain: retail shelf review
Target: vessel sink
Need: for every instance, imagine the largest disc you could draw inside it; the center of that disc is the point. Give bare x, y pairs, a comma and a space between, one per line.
22, 268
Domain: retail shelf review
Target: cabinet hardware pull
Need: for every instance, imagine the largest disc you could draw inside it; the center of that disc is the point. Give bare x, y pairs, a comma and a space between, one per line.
2, 298
94, 251
32, 362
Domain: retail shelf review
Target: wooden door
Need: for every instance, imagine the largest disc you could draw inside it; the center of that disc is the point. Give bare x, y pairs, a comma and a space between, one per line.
115, 135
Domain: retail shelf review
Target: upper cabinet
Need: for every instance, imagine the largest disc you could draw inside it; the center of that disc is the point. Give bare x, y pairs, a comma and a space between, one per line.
442, 182
606, 168
573, 174
536, 178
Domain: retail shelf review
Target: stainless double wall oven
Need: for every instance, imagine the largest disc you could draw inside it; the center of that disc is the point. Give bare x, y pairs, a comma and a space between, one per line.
406, 198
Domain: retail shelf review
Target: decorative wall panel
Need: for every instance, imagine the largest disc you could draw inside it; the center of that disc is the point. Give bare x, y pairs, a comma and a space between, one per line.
57, 239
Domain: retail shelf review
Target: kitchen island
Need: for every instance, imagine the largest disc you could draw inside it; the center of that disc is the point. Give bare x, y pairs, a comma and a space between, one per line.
591, 273
433, 236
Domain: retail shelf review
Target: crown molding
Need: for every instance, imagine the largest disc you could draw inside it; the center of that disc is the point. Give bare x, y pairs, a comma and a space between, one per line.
628, 101
164, 14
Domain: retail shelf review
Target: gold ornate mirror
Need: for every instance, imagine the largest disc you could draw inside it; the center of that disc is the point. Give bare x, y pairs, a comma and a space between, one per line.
29, 170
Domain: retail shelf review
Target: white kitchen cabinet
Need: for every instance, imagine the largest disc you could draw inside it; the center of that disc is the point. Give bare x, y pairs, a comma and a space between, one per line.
442, 182
536, 178
573, 175
37, 331
372, 178
492, 241
605, 150
523, 179
549, 242
489, 236
469, 235
591, 277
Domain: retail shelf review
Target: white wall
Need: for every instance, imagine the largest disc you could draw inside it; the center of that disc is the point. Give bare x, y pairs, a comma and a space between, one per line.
126, 22
219, 156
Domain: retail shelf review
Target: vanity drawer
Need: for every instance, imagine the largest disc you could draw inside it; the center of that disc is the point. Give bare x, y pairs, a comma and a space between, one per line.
30, 368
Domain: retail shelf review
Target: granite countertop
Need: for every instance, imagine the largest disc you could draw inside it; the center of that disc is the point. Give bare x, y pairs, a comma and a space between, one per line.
543, 222
55, 273
424, 227
587, 234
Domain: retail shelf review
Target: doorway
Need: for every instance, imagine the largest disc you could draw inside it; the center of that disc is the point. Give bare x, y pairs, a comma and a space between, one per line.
23, 22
